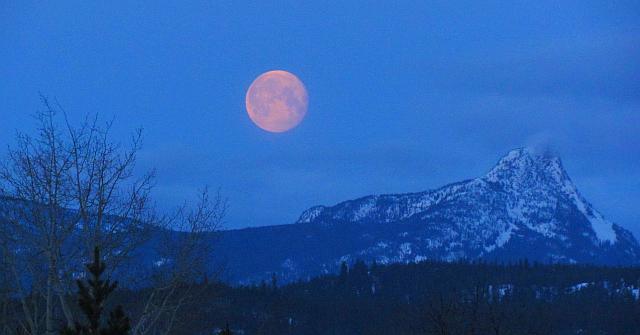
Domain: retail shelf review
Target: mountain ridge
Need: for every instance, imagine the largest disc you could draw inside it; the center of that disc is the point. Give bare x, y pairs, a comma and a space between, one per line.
602, 227
525, 206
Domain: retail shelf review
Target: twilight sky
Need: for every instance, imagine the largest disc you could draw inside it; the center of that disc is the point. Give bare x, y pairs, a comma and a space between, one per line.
401, 97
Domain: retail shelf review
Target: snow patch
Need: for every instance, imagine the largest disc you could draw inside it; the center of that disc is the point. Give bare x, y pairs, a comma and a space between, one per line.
311, 214
420, 258
405, 249
501, 240
603, 228
578, 287
365, 209
161, 262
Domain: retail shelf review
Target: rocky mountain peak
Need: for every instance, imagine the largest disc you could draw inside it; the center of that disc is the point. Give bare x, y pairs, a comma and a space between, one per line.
526, 206
527, 167
526, 189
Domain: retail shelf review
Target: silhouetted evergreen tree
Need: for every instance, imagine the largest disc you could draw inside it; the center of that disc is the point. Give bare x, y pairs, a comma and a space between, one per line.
226, 331
344, 273
274, 282
92, 297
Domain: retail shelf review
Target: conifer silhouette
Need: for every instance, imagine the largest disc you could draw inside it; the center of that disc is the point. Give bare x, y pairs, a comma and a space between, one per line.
93, 294
226, 331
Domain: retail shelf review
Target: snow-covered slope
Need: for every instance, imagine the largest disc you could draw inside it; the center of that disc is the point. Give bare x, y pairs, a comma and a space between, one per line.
527, 200
526, 206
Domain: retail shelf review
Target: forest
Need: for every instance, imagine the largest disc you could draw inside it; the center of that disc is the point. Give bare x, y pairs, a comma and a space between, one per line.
422, 298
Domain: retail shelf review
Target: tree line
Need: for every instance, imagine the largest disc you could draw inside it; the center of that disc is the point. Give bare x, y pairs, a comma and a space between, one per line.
428, 298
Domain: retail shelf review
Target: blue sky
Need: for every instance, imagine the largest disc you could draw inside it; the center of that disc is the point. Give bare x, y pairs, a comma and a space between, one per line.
403, 96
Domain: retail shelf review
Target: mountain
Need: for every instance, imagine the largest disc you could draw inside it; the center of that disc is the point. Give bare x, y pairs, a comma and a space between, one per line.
526, 206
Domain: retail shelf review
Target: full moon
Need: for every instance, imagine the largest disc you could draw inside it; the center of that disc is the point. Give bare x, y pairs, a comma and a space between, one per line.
277, 101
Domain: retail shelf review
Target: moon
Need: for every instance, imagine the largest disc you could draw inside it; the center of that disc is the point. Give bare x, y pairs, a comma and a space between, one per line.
277, 101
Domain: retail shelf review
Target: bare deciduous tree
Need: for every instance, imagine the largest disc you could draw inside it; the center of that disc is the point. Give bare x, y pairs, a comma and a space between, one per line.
68, 189
183, 257
36, 176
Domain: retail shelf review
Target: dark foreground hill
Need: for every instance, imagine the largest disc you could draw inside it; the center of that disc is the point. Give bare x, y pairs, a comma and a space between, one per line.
526, 206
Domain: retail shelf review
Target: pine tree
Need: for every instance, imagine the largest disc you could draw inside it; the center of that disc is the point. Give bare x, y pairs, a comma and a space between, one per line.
118, 323
274, 282
226, 331
344, 273
92, 297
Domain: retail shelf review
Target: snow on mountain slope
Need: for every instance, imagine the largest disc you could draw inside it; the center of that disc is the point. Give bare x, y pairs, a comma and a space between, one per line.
527, 196
526, 206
